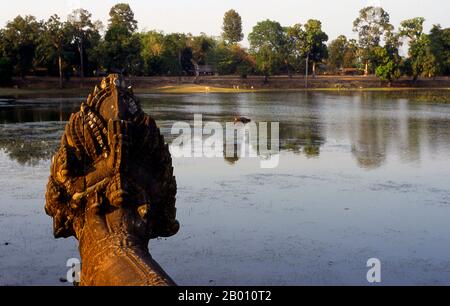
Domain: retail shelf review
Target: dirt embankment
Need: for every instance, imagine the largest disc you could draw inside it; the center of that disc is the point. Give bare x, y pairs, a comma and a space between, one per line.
253, 82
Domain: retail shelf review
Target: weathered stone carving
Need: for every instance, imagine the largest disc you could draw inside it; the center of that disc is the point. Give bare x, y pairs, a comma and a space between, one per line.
112, 187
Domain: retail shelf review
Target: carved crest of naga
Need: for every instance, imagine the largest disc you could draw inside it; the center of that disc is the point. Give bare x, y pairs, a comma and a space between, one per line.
112, 187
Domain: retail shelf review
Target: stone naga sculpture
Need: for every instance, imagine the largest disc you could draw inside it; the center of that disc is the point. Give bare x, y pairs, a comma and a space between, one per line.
112, 187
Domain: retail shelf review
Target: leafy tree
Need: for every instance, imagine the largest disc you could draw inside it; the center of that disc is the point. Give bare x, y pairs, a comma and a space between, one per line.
306, 43
122, 15
315, 48
187, 66
371, 25
268, 44
53, 43
421, 60
20, 41
201, 46
430, 65
295, 36
152, 48
412, 28
120, 50
3, 44
176, 56
245, 63
439, 40
223, 58
6, 71
336, 53
388, 60
342, 53
232, 27
121, 47
232, 60
351, 54
84, 34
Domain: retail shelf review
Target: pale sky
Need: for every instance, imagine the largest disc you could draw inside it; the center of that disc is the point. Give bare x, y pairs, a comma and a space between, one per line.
196, 16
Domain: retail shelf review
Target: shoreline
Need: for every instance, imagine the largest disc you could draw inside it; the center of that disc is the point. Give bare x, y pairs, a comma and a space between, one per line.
180, 89
197, 89
417, 95
49, 86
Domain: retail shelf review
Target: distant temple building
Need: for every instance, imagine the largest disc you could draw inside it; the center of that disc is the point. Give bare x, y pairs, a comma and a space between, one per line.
204, 70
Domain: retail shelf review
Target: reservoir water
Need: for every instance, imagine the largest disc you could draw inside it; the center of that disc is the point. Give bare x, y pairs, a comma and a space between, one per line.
361, 175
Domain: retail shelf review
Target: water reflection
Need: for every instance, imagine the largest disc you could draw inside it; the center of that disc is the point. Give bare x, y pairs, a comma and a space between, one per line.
30, 129
37, 110
30, 143
360, 175
302, 139
373, 126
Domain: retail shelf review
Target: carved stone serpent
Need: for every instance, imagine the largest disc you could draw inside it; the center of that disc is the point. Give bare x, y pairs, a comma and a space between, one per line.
112, 187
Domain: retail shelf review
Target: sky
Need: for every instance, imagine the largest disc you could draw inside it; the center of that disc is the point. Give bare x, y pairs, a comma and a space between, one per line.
196, 16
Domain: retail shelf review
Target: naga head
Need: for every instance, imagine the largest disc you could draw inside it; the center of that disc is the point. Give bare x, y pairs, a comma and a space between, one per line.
112, 155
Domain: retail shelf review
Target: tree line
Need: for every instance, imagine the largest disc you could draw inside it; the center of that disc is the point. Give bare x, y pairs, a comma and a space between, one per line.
83, 47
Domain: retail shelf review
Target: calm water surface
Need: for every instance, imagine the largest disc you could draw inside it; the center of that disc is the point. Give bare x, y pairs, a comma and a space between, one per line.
361, 175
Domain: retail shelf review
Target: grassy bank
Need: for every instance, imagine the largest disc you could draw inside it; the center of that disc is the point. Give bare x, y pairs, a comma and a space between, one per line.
440, 95
226, 84
184, 89
420, 95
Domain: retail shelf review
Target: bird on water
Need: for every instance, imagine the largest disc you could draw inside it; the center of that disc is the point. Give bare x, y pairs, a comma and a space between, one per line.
243, 120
